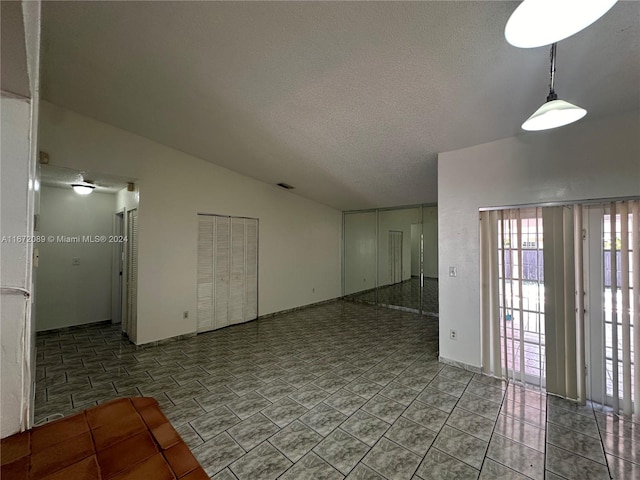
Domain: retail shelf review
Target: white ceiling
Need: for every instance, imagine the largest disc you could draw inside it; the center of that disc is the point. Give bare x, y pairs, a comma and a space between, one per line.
14, 77
350, 102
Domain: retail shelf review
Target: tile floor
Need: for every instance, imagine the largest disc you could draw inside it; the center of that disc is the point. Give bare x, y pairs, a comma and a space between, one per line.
404, 294
339, 390
126, 438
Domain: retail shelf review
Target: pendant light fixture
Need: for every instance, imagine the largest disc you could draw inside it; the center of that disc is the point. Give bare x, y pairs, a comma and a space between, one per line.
553, 113
536, 23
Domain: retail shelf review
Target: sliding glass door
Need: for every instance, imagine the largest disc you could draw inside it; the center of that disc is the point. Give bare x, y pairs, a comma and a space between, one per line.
614, 267
521, 294
560, 299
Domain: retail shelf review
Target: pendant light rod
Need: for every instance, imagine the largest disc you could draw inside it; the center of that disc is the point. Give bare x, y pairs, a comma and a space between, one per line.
553, 113
552, 75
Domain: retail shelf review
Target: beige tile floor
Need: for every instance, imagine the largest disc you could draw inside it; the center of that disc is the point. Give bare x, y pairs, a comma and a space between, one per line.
334, 391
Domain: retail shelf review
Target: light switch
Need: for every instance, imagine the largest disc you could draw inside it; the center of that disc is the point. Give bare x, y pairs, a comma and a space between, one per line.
75, 261
453, 271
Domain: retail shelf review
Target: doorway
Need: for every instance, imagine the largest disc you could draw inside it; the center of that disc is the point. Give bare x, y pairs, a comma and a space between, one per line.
395, 257
117, 269
560, 299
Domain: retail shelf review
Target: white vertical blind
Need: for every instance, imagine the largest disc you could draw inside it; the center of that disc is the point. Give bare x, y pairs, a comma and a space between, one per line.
622, 335
614, 307
635, 256
511, 309
560, 301
625, 310
520, 302
614, 321
578, 241
489, 299
531, 330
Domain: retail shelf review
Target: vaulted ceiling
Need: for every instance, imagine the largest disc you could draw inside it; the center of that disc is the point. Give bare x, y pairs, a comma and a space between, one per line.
350, 102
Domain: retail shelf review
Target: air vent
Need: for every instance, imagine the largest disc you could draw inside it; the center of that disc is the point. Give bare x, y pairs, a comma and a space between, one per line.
286, 186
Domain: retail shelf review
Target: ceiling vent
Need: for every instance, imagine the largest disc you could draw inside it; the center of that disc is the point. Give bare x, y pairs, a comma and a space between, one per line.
286, 186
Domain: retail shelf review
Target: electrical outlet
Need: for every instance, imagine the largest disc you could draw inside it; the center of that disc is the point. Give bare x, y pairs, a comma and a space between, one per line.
453, 271
75, 261
453, 335
185, 314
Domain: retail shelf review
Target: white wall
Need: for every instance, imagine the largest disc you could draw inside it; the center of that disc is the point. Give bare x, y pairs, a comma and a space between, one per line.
18, 175
430, 234
587, 160
74, 294
299, 251
127, 199
14, 173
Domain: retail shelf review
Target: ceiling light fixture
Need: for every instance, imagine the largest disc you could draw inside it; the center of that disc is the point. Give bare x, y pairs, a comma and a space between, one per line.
84, 188
536, 23
553, 113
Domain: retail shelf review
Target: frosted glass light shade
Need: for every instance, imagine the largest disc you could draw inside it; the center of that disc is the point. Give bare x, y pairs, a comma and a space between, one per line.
542, 22
82, 189
552, 114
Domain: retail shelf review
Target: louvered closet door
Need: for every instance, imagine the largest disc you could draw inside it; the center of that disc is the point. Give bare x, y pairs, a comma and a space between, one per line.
132, 275
251, 280
227, 271
237, 279
205, 272
222, 258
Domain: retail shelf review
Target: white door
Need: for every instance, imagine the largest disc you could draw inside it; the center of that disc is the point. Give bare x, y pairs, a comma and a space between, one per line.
132, 275
237, 278
221, 272
251, 272
227, 276
117, 281
205, 272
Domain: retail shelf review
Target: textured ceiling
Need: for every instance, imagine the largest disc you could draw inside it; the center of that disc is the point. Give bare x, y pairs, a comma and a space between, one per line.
14, 77
350, 102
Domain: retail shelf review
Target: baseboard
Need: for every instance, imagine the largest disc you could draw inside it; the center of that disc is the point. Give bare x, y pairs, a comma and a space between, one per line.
163, 341
70, 328
353, 299
457, 364
155, 343
302, 307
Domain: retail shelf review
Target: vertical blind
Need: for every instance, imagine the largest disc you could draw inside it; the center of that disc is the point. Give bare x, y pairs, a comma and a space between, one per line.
505, 245
621, 254
530, 329
562, 264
